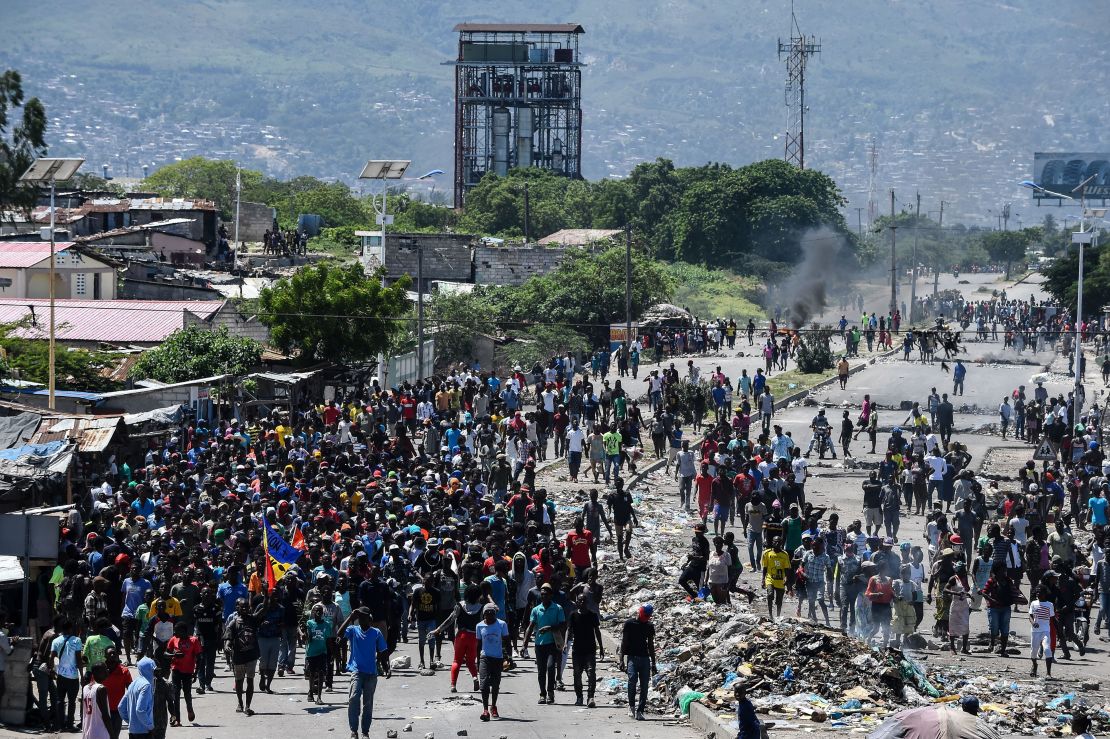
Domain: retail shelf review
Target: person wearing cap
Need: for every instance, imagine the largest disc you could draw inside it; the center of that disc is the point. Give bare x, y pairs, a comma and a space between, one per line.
637, 655
367, 645
549, 622
493, 644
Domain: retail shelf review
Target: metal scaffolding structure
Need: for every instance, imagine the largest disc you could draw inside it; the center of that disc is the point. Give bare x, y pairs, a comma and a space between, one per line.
518, 100
797, 52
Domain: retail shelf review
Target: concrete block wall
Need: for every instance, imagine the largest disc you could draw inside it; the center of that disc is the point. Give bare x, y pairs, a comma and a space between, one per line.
513, 265
255, 219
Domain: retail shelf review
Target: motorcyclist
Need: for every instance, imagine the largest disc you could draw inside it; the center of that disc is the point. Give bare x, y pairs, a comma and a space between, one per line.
821, 430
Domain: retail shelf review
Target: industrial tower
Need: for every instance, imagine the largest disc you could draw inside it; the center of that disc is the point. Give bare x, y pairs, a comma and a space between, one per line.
797, 53
518, 100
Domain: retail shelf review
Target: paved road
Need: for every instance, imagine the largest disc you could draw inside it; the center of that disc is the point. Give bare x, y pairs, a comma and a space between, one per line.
425, 703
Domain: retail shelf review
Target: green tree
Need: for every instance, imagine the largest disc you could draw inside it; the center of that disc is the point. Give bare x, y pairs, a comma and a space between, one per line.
1005, 246
454, 318
209, 179
330, 313
1061, 278
540, 343
586, 293
194, 352
22, 140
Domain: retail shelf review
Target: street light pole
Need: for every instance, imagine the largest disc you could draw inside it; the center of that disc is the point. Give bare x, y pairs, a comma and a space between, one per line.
383, 169
43, 170
893, 260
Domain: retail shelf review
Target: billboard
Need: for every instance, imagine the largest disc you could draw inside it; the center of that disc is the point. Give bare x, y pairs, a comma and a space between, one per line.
1061, 172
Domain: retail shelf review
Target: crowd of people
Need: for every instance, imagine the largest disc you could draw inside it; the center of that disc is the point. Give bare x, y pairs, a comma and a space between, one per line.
414, 514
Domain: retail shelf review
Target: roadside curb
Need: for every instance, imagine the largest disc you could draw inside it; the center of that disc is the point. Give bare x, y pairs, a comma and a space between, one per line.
705, 720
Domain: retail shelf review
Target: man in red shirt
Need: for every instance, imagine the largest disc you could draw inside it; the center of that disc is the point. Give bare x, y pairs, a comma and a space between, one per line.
704, 485
115, 682
580, 548
331, 414
408, 410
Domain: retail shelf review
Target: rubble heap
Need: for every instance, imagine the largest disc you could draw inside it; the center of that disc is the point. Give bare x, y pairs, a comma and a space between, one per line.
794, 669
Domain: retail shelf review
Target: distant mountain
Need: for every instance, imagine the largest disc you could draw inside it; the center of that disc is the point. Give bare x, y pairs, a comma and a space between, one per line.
956, 94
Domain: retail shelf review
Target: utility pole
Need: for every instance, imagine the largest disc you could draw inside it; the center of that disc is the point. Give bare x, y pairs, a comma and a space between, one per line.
941, 224
628, 285
527, 213
913, 265
893, 260
420, 311
859, 222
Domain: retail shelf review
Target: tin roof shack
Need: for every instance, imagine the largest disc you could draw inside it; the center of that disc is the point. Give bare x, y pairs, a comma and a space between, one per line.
203, 214
205, 397
94, 439
264, 392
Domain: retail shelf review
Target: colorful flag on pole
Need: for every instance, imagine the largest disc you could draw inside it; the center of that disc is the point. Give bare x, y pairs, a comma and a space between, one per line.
280, 555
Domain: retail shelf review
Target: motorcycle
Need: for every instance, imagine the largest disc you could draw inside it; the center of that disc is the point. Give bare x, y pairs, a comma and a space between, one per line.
824, 441
1082, 619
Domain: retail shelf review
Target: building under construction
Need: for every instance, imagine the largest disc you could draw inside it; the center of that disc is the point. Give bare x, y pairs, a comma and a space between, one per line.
518, 100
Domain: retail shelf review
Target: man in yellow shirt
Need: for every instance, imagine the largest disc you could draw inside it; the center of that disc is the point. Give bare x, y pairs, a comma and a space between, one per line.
173, 605
775, 564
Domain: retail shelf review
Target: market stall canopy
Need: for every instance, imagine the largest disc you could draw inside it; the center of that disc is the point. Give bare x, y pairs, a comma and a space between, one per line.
168, 416
18, 429
933, 722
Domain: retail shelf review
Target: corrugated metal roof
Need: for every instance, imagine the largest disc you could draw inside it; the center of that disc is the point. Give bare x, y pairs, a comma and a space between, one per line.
110, 321
519, 28
171, 204
166, 222
21, 254
580, 236
107, 205
62, 216
93, 433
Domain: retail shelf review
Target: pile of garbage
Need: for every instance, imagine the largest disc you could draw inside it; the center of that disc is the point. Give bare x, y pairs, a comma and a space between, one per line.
794, 669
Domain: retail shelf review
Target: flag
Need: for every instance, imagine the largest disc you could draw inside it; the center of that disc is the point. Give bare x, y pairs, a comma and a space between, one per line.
298, 540
280, 555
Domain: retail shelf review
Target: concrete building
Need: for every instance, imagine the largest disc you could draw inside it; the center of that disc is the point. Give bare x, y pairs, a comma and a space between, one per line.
25, 272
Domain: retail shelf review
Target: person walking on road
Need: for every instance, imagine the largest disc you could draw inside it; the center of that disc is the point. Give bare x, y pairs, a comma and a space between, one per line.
366, 643
548, 622
493, 641
959, 372
637, 652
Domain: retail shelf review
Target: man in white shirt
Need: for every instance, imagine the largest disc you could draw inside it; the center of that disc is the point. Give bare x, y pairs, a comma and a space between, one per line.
576, 439
938, 465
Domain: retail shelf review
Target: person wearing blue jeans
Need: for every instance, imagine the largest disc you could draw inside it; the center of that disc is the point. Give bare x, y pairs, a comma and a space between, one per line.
366, 644
637, 651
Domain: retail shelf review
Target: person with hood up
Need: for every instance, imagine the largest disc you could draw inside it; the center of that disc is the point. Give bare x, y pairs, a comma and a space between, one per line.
525, 581
137, 706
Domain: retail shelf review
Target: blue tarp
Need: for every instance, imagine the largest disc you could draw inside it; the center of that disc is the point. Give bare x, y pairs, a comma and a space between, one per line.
32, 450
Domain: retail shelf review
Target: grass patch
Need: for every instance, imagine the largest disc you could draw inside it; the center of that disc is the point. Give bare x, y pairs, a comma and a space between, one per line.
781, 382
713, 293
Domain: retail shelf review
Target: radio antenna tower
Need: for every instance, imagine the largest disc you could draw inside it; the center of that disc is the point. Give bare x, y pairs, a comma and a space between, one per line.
797, 52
